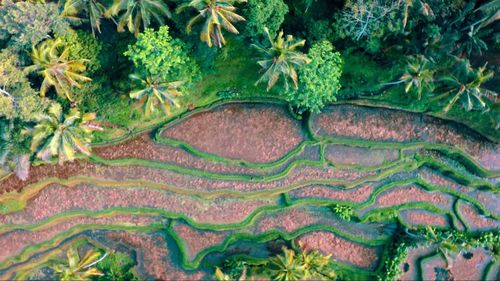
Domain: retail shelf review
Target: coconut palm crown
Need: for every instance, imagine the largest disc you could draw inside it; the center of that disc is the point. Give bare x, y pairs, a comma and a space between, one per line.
137, 12
217, 15
57, 70
281, 59
155, 92
56, 134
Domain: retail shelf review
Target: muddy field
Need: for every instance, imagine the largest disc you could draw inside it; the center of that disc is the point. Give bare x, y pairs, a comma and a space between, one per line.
241, 177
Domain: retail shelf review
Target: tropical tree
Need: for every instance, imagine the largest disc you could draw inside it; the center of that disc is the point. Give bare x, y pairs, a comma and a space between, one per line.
418, 76
307, 265
319, 80
24, 24
158, 54
56, 134
465, 83
281, 59
56, 69
287, 266
79, 269
137, 12
259, 13
218, 15
93, 8
156, 92
13, 155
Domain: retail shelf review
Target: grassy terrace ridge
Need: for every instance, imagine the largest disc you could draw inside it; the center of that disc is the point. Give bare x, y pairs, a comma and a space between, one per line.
249, 139
413, 161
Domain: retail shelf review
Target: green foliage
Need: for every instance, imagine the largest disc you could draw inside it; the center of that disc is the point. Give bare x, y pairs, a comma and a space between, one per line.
159, 54
217, 15
83, 46
291, 265
303, 266
25, 24
93, 8
319, 80
76, 269
14, 151
261, 13
153, 92
418, 76
281, 59
56, 134
449, 242
345, 212
466, 84
371, 20
56, 68
17, 98
117, 266
137, 12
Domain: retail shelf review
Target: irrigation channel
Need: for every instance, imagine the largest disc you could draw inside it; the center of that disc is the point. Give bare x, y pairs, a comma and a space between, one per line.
240, 178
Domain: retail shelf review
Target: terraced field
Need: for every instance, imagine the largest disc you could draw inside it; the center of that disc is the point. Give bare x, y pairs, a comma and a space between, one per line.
243, 178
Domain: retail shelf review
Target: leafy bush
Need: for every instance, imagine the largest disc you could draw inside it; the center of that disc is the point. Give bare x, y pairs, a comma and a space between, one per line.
345, 212
25, 24
319, 81
117, 266
159, 54
82, 45
264, 13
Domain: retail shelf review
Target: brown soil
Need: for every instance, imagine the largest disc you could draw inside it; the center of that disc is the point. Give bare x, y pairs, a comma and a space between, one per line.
412, 261
423, 218
410, 194
341, 154
196, 240
143, 147
341, 249
355, 195
391, 125
253, 132
288, 221
12, 243
460, 268
473, 268
476, 221
154, 258
85, 197
118, 173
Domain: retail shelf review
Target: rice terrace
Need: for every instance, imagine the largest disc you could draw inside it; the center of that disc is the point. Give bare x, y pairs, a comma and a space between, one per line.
200, 140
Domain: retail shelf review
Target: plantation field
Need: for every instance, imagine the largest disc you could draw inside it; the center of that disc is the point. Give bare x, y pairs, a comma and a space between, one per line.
245, 178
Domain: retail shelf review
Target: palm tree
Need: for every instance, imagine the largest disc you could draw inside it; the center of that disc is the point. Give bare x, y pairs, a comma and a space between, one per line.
93, 8
281, 59
465, 83
287, 266
154, 92
217, 14
419, 75
79, 269
56, 69
62, 135
137, 12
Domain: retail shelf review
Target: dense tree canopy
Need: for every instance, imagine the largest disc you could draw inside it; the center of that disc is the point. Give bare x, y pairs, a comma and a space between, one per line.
157, 53
319, 80
25, 24
260, 13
